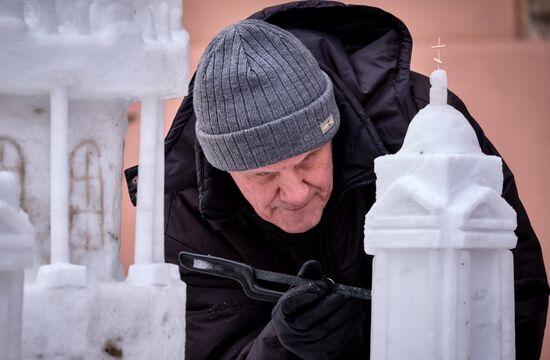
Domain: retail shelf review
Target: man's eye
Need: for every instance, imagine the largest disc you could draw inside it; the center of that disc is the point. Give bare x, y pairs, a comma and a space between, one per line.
307, 162
264, 177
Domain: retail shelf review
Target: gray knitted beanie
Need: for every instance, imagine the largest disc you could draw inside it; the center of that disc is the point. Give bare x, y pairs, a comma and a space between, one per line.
260, 97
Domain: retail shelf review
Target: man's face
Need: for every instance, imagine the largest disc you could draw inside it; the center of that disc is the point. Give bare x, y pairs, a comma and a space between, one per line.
291, 193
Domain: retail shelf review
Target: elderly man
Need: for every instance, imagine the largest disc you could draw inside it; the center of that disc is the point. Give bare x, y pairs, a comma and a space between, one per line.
270, 162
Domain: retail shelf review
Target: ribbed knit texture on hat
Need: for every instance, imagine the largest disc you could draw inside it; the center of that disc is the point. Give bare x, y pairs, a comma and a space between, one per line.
260, 97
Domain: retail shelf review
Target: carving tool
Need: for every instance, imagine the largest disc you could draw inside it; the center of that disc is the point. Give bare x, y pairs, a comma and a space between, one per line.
247, 276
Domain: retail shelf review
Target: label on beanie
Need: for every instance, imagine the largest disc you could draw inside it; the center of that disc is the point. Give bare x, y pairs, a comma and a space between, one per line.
327, 124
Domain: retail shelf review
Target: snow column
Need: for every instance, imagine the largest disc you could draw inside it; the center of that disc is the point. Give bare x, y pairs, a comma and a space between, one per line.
60, 272
146, 189
158, 218
149, 267
59, 177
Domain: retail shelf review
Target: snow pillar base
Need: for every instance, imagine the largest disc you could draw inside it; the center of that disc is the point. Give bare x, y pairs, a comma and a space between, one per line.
61, 275
150, 274
104, 321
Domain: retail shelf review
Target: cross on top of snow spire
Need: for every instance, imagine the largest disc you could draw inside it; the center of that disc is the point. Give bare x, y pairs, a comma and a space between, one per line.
439, 46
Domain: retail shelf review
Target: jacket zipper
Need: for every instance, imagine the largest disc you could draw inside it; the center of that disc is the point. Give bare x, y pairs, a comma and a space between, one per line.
325, 247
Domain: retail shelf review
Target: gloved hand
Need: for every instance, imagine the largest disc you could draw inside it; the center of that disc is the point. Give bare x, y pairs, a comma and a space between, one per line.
314, 323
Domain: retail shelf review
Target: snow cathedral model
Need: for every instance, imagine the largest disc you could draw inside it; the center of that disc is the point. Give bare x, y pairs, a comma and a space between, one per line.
68, 71
440, 233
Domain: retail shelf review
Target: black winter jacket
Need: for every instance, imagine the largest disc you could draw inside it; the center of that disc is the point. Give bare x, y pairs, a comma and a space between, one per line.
366, 52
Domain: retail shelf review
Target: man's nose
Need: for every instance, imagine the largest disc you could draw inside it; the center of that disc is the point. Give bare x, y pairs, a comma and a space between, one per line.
293, 190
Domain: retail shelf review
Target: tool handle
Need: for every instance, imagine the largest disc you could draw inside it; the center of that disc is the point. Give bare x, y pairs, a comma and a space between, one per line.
243, 273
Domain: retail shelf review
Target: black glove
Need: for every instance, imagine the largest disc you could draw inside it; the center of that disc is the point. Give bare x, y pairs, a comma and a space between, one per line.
314, 323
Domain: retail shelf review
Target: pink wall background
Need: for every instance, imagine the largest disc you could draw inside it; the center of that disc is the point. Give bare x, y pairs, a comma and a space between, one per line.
504, 80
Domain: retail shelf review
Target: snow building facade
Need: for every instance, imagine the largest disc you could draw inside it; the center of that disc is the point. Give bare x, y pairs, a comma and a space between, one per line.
69, 71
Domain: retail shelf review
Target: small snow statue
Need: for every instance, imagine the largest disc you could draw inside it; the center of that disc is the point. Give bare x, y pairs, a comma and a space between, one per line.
16, 240
441, 233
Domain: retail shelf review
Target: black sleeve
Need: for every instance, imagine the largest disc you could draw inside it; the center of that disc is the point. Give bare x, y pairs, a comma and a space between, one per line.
530, 281
221, 321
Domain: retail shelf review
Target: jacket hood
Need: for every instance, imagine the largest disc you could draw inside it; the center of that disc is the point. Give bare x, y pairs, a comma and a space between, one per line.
366, 52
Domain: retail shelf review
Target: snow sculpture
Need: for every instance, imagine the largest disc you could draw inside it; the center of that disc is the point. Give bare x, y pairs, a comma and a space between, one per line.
16, 239
441, 233
69, 69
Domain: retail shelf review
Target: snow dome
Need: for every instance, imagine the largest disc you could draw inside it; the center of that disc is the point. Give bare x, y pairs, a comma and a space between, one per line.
439, 128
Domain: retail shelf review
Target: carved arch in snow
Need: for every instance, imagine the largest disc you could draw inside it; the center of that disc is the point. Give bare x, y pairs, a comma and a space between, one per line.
12, 160
484, 209
86, 211
407, 203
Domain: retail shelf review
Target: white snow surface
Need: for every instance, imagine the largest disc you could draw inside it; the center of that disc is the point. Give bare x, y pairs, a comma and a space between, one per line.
16, 240
16, 232
105, 321
9, 189
440, 233
62, 274
97, 129
440, 129
94, 48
